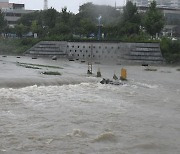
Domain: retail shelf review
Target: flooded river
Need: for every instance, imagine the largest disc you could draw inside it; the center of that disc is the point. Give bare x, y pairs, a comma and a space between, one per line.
75, 114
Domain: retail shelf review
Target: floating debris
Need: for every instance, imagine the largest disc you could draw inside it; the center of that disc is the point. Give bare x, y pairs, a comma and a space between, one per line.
150, 69
166, 71
83, 61
51, 73
34, 57
115, 77
99, 73
107, 81
144, 64
54, 58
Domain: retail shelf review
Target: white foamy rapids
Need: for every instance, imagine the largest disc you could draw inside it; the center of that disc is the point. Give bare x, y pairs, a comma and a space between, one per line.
145, 85
88, 118
57, 81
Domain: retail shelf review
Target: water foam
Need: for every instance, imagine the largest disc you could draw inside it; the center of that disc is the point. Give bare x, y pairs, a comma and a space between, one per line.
145, 85
105, 137
77, 133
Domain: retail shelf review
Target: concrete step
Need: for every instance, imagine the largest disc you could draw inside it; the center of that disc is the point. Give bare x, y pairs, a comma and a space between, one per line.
44, 49
45, 53
145, 54
48, 48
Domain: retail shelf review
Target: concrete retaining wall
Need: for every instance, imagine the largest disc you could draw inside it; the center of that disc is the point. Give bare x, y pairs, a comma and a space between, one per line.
101, 52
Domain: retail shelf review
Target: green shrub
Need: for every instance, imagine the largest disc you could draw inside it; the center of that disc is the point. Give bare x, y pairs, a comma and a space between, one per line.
170, 50
29, 41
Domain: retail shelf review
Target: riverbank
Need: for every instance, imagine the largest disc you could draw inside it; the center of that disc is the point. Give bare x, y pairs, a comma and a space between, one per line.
15, 46
169, 49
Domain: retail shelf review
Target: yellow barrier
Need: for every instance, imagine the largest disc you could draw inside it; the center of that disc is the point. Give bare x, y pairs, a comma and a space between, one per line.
123, 74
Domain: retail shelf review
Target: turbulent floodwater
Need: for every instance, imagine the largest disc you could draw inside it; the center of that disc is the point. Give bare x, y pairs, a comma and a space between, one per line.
139, 117
90, 118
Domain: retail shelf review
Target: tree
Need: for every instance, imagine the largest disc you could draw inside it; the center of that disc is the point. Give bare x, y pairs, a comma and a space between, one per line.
88, 27
154, 20
131, 20
28, 18
92, 12
50, 17
20, 30
2, 21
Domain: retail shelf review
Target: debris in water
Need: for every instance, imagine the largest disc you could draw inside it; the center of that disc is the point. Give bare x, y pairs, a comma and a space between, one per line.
150, 69
107, 81
144, 64
54, 58
83, 61
99, 73
51, 73
115, 77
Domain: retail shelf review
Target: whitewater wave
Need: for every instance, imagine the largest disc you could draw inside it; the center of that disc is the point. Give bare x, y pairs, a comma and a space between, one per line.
20, 83
105, 137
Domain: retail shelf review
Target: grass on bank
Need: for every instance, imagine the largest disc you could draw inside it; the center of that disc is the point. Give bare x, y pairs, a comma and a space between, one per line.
38, 65
15, 46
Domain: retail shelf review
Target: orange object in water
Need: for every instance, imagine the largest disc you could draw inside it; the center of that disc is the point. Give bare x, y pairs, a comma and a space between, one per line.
123, 74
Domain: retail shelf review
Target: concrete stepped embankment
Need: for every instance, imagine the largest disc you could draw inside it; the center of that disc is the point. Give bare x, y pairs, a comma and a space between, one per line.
101, 51
48, 48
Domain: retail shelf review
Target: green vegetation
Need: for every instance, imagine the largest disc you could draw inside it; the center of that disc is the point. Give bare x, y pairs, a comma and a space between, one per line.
131, 21
153, 20
16, 46
51, 73
38, 65
2, 21
171, 50
28, 66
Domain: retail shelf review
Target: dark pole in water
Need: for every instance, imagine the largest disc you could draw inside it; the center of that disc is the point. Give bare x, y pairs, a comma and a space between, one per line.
90, 62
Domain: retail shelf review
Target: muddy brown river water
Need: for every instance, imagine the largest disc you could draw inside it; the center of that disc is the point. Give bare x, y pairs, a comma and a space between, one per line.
75, 114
